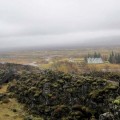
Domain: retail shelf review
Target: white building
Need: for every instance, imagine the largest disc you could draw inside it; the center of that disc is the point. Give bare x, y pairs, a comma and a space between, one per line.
94, 60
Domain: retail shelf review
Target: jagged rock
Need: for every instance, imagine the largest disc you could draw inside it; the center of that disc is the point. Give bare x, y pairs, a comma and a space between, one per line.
107, 116
42, 89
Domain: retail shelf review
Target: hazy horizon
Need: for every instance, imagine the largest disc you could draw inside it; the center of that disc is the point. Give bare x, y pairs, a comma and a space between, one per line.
64, 23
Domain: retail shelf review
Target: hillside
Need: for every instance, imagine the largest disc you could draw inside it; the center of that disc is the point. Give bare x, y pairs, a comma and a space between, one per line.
53, 95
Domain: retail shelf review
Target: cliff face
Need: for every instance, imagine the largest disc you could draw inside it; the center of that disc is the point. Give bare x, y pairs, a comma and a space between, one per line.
56, 95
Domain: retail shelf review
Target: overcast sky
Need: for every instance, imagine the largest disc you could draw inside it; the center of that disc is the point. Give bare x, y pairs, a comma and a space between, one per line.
57, 22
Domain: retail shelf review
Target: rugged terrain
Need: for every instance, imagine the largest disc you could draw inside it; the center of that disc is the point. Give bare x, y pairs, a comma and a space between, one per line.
53, 95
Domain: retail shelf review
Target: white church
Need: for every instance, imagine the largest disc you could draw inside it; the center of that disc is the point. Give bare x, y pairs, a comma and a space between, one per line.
94, 60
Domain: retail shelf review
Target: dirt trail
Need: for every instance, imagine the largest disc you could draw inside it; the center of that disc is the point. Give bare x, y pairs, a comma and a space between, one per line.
10, 110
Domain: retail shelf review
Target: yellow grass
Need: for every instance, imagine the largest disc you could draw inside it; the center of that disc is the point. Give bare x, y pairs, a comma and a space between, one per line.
7, 109
3, 88
104, 66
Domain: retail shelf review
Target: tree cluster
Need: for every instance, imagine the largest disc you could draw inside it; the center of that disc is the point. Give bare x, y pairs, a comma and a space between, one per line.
95, 55
114, 58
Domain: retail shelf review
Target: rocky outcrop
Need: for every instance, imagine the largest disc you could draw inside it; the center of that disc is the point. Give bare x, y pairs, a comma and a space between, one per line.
106, 116
58, 96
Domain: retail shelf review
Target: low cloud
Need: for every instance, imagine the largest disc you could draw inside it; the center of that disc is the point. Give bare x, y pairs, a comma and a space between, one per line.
25, 23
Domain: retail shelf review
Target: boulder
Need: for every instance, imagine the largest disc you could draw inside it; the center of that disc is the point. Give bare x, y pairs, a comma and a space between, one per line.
106, 116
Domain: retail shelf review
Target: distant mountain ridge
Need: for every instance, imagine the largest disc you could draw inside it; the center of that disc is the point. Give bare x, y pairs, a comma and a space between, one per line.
105, 41
96, 42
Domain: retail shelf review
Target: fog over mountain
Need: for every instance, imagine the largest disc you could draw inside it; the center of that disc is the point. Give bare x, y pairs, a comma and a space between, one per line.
52, 23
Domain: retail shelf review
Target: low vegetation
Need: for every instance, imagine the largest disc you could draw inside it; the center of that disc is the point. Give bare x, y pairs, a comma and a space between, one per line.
53, 95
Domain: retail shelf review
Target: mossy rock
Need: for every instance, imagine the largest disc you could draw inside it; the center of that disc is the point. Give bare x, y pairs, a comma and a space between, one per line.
55, 85
76, 113
61, 81
117, 101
